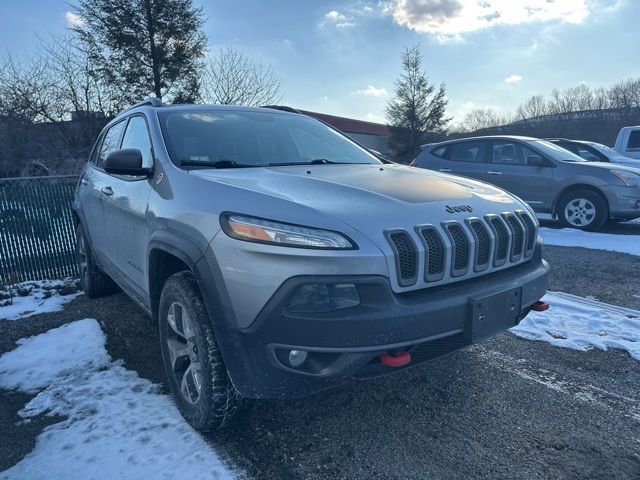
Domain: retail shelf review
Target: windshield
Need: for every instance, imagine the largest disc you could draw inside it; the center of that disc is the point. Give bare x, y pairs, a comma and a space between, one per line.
227, 139
555, 152
603, 148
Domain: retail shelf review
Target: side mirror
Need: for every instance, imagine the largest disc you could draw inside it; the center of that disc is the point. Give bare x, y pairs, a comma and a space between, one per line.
127, 161
535, 161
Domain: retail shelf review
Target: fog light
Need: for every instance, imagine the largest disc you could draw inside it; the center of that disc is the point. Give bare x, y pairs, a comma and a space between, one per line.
321, 298
297, 357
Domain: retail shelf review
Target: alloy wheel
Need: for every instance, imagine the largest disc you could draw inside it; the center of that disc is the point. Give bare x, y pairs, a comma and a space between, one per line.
580, 212
183, 352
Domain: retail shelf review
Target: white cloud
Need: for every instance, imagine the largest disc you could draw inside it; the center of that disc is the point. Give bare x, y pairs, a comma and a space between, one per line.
337, 19
372, 91
72, 20
335, 16
513, 79
448, 19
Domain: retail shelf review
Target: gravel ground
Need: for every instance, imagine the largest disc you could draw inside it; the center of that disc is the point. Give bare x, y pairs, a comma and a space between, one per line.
506, 408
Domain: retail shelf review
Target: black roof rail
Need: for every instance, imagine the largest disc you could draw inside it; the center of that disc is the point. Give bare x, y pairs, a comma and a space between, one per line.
284, 108
150, 101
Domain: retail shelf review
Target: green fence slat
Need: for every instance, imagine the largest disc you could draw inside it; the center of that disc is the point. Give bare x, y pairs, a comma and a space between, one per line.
37, 239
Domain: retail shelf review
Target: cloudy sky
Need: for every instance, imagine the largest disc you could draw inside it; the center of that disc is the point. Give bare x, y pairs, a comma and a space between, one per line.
342, 57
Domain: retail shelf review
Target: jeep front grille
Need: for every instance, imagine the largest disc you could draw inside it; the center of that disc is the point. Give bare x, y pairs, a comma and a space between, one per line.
457, 250
406, 255
435, 253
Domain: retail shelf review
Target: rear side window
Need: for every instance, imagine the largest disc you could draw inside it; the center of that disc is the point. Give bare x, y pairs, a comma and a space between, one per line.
137, 136
111, 141
467, 152
634, 140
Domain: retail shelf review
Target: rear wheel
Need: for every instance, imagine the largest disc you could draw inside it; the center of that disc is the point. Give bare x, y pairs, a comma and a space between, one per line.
583, 209
93, 280
192, 359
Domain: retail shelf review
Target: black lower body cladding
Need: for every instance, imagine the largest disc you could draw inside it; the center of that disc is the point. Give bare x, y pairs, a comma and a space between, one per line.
345, 344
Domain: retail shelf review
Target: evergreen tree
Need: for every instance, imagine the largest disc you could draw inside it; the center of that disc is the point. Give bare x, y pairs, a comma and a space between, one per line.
143, 47
417, 109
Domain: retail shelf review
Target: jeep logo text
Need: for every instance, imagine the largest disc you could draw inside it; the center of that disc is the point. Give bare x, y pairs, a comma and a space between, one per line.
459, 208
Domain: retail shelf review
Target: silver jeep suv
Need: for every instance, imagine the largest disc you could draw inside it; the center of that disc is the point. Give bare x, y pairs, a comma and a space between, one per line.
280, 258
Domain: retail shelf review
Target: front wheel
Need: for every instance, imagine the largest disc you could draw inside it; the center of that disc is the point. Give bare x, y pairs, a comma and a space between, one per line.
192, 359
583, 209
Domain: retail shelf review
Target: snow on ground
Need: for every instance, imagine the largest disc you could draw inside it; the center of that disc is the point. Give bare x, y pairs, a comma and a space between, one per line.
117, 424
31, 298
582, 324
571, 237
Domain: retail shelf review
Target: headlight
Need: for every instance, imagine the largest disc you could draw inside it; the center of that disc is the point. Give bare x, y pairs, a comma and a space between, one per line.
267, 231
628, 178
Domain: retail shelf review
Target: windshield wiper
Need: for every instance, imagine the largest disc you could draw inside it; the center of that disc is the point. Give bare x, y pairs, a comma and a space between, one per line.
316, 161
217, 164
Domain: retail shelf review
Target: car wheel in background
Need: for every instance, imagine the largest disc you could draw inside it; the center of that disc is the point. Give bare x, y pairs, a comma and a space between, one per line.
93, 281
192, 359
583, 209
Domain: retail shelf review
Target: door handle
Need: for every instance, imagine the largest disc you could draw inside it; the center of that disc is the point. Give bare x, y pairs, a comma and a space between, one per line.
108, 191
445, 170
493, 172
84, 181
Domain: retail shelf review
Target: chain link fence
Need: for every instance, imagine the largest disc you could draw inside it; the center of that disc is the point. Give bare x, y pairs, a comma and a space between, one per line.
37, 238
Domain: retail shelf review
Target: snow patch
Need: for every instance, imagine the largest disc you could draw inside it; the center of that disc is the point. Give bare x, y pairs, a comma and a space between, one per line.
582, 324
571, 237
31, 298
117, 424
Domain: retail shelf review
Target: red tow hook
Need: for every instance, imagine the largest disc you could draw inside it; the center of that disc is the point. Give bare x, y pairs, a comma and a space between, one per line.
540, 306
398, 359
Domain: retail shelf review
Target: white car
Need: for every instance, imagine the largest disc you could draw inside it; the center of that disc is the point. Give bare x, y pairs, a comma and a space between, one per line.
628, 142
595, 152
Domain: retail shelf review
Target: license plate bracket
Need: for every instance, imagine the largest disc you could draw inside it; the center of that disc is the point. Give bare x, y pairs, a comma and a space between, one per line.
493, 313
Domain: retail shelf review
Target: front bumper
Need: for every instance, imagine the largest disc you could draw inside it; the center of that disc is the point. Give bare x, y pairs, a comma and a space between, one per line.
624, 202
346, 344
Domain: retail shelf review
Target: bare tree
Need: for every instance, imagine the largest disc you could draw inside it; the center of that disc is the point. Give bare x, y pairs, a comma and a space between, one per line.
53, 108
480, 118
229, 77
536, 106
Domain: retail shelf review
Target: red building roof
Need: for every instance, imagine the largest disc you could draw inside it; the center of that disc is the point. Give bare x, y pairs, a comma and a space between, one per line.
350, 125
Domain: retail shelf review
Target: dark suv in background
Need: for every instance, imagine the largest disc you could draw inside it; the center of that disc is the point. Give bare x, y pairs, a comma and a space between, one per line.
549, 178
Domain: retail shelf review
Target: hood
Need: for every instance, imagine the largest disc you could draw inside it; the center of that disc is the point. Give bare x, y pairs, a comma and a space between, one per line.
609, 166
367, 197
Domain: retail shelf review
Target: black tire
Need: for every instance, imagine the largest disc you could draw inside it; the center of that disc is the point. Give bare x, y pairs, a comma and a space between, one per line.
191, 356
93, 280
583, 209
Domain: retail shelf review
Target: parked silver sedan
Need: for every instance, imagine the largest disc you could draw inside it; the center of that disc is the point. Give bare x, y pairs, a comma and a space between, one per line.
549, 178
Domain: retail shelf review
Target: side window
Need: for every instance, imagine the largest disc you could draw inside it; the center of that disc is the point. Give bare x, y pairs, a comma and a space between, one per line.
507, 153
527, 152
137, 136
111, 141
94, 151
439, 151
467, 152
634, 141
587, 155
